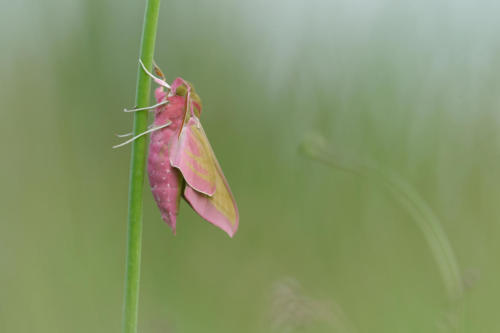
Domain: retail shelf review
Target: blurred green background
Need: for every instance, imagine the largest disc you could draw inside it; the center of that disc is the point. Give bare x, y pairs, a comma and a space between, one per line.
411, 87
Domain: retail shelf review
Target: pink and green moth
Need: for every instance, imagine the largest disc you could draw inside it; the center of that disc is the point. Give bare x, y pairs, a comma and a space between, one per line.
181, 162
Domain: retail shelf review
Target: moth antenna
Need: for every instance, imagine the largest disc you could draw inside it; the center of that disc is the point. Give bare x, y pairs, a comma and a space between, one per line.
158, 71
157, 80
143, 133
147, 107
190, 103
188, 97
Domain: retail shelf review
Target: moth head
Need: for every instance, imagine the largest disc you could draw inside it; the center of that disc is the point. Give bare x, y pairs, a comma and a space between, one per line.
182, 90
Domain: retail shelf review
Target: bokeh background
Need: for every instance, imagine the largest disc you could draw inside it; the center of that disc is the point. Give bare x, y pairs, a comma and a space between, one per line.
360, 139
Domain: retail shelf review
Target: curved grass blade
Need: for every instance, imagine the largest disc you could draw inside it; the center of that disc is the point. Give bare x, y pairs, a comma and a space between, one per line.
425, 218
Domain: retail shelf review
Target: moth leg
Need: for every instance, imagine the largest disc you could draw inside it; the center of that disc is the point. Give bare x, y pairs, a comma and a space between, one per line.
147, 107
124, 135
130, 134
143, 133
157, 80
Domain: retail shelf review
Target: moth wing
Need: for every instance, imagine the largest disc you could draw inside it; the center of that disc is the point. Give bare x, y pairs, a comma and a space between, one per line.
192, 156
219, 208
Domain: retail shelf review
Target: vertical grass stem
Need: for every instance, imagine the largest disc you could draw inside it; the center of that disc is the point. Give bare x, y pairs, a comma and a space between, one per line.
137, 167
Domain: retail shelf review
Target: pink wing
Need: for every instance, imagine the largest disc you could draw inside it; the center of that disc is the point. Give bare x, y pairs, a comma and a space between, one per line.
196, 160
192, 156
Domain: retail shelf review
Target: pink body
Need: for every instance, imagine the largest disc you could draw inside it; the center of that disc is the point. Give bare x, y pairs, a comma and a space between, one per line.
164, 179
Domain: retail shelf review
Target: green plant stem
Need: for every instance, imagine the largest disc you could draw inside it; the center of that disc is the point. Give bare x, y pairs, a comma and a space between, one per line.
137, 166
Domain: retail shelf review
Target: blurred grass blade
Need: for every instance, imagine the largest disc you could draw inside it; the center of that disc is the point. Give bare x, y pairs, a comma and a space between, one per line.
427, 221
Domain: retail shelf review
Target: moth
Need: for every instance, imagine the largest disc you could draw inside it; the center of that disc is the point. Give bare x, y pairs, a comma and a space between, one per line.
181, 161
